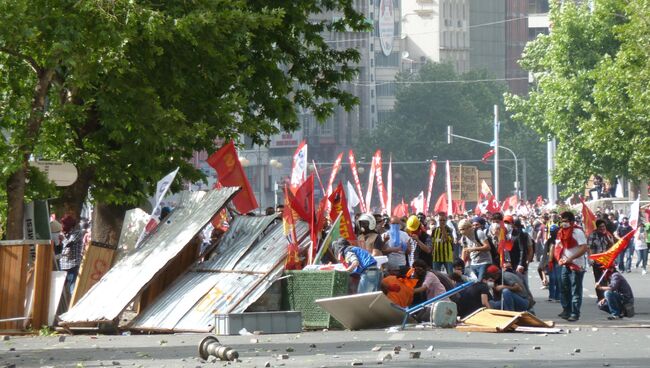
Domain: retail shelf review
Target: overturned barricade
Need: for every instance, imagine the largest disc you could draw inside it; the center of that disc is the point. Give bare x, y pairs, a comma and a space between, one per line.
106, 300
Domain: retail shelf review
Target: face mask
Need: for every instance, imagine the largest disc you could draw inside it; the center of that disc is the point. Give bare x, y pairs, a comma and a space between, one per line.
565, 225
490, 284
394, 232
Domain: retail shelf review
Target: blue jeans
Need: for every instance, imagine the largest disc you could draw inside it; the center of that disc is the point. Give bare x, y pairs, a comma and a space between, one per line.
571, 295
511, 302
479, 270
369, 281
615, 302
554, 282
642, 258
448, 266
624, 259
70, 279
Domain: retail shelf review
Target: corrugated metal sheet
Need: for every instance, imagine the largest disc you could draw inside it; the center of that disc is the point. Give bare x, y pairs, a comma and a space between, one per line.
242, 234
106, 300
253, 274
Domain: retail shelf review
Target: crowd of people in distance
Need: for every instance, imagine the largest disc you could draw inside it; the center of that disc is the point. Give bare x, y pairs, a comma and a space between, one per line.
429, 255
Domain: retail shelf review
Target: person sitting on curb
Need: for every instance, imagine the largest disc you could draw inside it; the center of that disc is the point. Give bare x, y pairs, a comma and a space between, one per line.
619, 299
514, 293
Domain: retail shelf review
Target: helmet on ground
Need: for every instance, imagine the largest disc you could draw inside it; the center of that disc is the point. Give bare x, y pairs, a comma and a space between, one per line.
370, 219
413, 223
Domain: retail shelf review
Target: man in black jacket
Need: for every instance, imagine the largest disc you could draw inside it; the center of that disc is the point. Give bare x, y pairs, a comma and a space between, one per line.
520, 251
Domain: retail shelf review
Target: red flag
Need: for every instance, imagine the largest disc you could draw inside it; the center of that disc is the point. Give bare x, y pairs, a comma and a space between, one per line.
357, 182
588, 218
607, 258
231, 174
401, 210
511, 201
492, 204
335, 171
432, 175
288, 220
340, 205
487, 155
380, 181
301, 201
441, 204
504, 244
321, 219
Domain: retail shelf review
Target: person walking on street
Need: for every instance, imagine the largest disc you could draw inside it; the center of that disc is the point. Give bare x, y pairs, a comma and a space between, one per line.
641, 247
570, 250
624, 260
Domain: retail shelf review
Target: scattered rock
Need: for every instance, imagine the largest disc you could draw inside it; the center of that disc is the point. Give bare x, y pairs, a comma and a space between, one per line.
397, 349
289, 350
325, 330
376, 348
411, 346
115, 362
255, 341
12, 349
594, 329
576, 350
267, 364
430, 348
313, 346
339, 346
61, 338
384, 357
6, 337
605, 364
283, 356
162, 342
414, 355
511, 350
537, 348
356, 362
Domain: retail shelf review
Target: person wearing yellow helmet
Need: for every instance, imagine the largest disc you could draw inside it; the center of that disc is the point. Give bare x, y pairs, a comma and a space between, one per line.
422, 240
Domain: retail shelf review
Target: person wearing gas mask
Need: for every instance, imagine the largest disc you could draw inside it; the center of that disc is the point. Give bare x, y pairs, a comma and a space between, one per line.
368, 238
570, 250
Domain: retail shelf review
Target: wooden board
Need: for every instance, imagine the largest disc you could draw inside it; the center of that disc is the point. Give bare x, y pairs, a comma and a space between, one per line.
57, 284
495, 320
96, 262
42, 284
13, 278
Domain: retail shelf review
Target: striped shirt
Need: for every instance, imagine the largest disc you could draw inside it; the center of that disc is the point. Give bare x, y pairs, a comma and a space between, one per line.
442, 247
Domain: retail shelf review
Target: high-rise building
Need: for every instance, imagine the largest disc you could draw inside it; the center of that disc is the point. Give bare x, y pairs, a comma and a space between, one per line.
487, 36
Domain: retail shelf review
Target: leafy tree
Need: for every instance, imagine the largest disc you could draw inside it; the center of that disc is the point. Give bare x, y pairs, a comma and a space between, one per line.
128, 90
429, 101
592, 73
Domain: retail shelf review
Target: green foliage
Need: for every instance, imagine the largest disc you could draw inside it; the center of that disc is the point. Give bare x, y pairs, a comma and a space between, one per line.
592, 76
417, 130
138, 86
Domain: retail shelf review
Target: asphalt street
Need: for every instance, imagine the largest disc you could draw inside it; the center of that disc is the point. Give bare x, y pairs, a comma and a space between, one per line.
593, 341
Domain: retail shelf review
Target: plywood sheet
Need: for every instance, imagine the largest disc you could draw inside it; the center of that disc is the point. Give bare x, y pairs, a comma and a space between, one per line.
499, 320
13, 283
363, 311
96, 262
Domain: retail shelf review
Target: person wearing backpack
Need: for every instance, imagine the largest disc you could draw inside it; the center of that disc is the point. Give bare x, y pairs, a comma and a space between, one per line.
475, 248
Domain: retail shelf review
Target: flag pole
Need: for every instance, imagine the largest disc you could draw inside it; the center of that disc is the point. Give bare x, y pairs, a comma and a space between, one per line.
322, 188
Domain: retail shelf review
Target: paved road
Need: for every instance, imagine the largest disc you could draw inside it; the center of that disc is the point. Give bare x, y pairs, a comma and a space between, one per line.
591, 342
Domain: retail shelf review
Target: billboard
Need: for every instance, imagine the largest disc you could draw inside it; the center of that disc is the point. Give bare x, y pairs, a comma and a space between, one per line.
386, 26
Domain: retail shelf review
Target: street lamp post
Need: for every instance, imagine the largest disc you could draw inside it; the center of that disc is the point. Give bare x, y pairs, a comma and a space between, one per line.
496, 158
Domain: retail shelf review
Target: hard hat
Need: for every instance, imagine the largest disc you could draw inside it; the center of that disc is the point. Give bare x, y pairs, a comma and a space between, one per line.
370, 219
413, 223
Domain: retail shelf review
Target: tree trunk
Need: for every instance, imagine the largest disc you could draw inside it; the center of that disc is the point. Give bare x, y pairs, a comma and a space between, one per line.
73, 197
16, 181
107, 223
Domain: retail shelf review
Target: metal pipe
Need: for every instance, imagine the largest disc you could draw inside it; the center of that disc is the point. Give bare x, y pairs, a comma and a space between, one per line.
210, 346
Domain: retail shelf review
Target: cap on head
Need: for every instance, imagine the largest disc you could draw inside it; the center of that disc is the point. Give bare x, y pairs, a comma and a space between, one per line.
508, 219
413, 223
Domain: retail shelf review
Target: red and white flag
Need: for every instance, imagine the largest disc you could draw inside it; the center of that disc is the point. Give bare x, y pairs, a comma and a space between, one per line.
418, 203
487, 155
371, 182
162, 187
485, 190
335, 171
357, 182
380, 181
401, 210
432, 175
634, 213
299, 167
389, 196
450, 203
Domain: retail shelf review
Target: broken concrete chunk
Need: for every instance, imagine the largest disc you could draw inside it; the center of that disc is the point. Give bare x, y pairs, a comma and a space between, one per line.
267, 364
430, 348
376, 348
537, 348
576, 350
283, 356
356, 362
414, 355
289, 349
385, 357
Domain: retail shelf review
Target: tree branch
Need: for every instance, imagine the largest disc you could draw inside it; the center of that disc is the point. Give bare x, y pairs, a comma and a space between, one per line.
28, 59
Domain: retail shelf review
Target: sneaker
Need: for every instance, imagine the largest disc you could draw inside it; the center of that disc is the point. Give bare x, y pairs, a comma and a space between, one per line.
628, 271
644, 272
612, 317
573, 318
544, 287
564, 315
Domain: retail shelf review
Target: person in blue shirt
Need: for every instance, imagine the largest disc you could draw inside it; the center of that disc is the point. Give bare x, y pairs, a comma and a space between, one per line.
361, 263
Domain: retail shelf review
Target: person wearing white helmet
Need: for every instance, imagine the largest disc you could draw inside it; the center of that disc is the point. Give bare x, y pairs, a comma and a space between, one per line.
368, 237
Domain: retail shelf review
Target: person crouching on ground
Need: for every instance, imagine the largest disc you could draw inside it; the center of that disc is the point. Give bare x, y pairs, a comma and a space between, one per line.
396, 287
513, 291
361, 263
619, 299
476, 296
